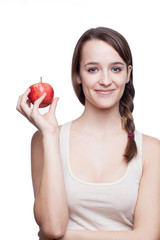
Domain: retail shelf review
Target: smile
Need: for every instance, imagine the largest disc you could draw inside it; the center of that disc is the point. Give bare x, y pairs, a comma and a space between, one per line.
105, 92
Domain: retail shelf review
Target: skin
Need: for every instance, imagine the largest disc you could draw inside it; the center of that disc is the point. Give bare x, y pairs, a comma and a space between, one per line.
103, 75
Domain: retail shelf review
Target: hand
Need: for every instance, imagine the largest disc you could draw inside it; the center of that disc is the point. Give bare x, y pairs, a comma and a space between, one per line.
46, 123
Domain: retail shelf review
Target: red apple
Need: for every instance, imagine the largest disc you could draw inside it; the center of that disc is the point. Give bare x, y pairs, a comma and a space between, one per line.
37, 90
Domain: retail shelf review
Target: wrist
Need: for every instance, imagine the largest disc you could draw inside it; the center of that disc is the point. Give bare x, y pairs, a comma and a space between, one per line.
51, 140
50, 135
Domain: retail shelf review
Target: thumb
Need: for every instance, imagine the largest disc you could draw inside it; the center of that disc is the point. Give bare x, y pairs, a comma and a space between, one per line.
53, 105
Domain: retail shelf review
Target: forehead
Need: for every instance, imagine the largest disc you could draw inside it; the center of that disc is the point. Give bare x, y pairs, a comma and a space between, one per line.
98, 50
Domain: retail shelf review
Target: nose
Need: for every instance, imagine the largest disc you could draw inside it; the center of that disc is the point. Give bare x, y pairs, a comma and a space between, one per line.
105, 78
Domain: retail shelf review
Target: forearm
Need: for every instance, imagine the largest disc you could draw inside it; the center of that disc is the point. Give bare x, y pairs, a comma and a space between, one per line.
105, 235
50, 206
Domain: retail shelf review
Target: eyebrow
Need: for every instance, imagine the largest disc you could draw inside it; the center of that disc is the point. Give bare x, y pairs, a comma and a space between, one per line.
96, 63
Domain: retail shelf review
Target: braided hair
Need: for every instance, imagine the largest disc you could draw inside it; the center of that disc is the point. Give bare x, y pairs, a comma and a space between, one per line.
126, 106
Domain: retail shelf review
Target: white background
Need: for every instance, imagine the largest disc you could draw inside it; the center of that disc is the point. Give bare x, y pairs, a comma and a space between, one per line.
37, 38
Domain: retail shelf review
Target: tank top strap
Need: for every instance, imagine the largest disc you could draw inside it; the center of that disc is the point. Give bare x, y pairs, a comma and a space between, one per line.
64, 142
138, 139
136, 162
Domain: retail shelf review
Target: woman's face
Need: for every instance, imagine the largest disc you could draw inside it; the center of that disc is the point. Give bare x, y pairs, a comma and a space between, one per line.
103, 74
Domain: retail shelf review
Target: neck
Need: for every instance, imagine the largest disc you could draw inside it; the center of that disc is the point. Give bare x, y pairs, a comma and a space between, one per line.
96, 119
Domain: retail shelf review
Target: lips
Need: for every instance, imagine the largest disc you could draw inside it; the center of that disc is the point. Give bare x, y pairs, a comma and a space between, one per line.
105, 91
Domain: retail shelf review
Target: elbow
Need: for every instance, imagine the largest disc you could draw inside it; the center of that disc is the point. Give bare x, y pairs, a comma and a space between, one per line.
148, 235
52, 232
53, 229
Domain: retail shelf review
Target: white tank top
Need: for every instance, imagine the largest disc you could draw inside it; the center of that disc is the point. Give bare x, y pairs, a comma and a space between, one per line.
101, 206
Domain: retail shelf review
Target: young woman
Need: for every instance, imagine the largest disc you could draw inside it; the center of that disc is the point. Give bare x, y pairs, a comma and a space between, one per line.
96, 177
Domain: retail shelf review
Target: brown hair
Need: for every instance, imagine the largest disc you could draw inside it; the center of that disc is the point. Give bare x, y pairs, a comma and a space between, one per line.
119, 43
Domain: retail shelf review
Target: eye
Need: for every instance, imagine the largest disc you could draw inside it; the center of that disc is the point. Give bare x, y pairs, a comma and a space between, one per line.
116, 69
94, 69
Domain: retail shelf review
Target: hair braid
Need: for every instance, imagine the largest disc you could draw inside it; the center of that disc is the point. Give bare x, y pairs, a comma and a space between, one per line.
126, 109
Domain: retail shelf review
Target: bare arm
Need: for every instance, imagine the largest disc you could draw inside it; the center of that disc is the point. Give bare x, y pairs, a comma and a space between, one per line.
147, 212
50, 207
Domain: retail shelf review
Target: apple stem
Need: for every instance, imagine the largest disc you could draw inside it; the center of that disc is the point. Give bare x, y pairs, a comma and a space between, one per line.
40, 79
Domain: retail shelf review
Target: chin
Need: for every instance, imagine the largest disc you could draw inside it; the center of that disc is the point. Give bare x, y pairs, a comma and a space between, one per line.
103, 103
106, 106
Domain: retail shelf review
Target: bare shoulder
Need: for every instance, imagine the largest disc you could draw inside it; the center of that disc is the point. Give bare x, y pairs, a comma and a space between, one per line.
36, 138
151, 144
36, 159
151, 150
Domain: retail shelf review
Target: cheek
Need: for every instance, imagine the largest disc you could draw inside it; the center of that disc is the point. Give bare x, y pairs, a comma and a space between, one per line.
88, 82
120, 81
85, 87
120, 84
88, 79
120, 87
121, 91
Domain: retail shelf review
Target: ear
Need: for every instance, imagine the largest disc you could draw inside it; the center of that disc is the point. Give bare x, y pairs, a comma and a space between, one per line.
128, 73
78, 79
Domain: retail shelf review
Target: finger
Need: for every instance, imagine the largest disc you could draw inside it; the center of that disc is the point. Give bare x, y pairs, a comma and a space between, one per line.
25, 95
38, 102
19, 107
18, 103
27, 92
28, 103
53, 105
22, 105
